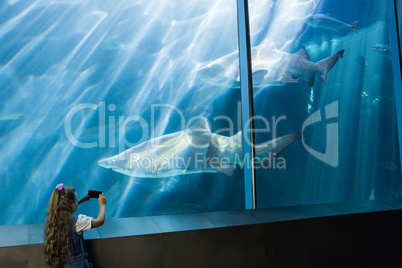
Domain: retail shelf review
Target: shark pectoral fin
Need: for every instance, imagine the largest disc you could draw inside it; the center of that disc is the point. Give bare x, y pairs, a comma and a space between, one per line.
228, 170
302, 52
258, 77
202, 124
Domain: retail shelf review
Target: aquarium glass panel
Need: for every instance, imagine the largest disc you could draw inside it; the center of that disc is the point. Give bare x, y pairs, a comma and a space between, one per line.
323, 101
399, 18
82, 82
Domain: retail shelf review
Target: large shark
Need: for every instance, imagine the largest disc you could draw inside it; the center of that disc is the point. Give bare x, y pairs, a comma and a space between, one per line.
193, 150
271, 67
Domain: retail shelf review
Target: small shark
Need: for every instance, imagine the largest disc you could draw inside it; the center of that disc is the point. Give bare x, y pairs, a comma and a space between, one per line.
271, 67
193, 150
383, 49
389, 165
297, 66
326, 22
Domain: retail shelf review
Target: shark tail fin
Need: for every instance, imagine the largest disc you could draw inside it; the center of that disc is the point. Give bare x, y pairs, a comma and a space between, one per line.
275, 146
327, 64
354, 26
298, 135
288, 140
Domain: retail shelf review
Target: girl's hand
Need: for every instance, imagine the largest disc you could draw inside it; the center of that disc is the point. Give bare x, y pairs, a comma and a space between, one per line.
102, 199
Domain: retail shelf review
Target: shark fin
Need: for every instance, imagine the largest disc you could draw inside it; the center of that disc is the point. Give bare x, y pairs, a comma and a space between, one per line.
258, 77
228, 170
268, 44
201, 124
324, 77
327, 64
302, 52
310, 81
237, 135
237, 79
236, 140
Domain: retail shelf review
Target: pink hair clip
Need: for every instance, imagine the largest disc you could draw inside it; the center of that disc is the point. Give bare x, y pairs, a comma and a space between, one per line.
60, 186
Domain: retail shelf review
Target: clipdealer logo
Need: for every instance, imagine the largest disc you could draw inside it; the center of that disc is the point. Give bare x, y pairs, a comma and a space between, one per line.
331, 155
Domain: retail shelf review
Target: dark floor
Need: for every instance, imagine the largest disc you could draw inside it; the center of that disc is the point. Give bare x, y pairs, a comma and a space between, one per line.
303, 236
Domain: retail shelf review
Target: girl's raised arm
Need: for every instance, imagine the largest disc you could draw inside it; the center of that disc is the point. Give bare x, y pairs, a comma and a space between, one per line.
101, 215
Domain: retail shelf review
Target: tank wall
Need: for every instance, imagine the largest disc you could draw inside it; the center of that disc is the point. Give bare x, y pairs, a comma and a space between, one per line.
142, 100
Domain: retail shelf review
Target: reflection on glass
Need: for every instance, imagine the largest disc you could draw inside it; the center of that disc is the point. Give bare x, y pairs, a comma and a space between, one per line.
325, 70
81, 81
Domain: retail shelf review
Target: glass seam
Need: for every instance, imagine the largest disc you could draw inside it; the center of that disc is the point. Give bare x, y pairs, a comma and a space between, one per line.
396, 66
247, 102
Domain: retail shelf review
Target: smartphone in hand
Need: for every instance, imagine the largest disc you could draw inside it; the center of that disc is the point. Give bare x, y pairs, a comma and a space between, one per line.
94, 194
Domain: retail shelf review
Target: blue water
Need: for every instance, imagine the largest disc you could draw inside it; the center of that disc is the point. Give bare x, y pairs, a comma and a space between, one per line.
96, 64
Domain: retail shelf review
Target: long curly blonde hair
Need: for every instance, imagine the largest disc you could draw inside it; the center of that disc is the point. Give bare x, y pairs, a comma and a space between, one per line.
58, 226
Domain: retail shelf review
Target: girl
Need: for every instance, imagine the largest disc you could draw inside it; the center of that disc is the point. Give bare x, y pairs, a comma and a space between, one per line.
64, 242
